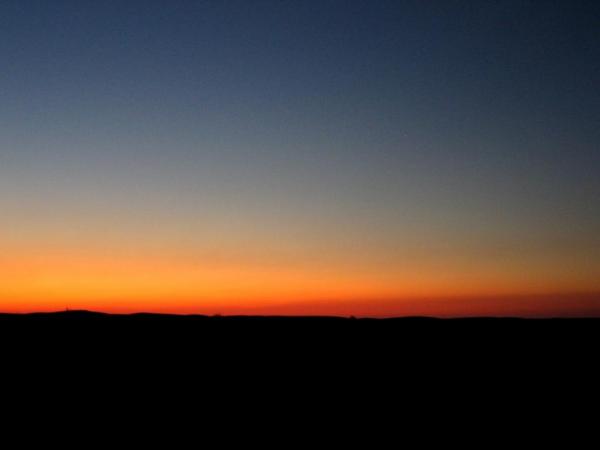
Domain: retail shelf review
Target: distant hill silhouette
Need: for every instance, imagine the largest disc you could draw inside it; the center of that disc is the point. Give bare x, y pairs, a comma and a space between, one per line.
239, 344
425, 329
83, 316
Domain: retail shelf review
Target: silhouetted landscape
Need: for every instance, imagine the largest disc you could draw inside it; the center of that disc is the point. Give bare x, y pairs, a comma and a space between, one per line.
360, 191
243, 348
241, 330
88, 317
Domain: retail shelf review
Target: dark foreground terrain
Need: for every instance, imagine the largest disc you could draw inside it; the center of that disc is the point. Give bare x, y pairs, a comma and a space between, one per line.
87, 321
323, 334
215, 355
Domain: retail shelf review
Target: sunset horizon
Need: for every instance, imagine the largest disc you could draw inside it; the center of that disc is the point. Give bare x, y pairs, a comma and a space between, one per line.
338, 158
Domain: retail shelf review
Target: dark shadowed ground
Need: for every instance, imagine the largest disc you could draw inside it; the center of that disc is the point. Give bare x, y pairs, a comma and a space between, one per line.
334, 335
301, 359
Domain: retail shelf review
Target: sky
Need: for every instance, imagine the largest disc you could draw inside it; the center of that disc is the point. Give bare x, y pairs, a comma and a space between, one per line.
354, 157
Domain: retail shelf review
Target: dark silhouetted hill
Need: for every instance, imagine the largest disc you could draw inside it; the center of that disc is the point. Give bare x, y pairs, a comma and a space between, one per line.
246, 352
348, 334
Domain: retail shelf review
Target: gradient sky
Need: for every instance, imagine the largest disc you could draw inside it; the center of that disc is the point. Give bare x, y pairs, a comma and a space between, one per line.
337, 157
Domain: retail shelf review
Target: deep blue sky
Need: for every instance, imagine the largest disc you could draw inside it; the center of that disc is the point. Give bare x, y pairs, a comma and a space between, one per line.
470, 128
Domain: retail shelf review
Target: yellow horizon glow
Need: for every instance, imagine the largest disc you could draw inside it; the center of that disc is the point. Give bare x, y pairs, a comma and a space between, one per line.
47, 281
